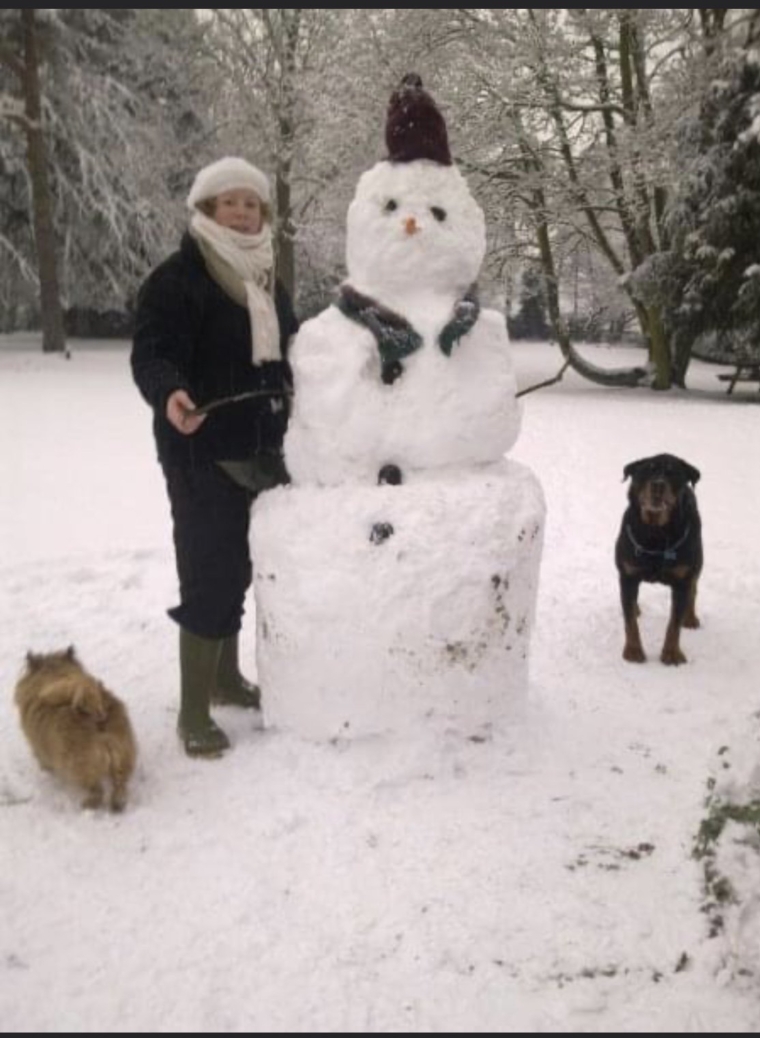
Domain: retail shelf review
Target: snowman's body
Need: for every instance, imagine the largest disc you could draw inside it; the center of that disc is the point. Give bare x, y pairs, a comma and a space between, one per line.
452, 411
409, 603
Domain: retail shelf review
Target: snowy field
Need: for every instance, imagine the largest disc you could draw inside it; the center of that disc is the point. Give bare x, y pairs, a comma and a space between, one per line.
539, 881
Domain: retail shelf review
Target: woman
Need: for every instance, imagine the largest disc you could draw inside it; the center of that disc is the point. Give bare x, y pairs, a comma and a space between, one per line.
213, 323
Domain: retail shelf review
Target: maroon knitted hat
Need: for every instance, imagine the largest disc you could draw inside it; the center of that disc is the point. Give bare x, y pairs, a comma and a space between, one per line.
415, 128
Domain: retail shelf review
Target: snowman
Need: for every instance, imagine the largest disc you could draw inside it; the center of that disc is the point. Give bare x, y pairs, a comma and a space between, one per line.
396, 577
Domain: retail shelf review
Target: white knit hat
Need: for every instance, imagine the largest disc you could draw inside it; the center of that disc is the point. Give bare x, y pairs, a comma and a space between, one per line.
227, 174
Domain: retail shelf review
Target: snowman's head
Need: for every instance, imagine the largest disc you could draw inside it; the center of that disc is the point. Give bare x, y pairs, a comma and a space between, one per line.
413, 224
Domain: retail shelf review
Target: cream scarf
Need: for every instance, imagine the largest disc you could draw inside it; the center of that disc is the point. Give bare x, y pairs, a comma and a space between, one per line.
242, 264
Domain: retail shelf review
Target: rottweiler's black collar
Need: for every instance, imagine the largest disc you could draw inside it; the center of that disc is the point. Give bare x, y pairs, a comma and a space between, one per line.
670, 554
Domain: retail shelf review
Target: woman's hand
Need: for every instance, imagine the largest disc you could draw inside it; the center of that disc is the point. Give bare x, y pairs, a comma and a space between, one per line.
179, 411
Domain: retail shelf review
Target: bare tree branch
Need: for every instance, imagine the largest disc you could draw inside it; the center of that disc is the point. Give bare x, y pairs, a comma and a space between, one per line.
546, 382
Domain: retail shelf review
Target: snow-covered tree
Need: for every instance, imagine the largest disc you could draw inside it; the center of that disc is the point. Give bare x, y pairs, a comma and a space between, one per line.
572, 117
711, 278
303, 94
96, 165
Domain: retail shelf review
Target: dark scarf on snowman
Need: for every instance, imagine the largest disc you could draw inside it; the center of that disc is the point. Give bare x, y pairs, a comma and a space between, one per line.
395, 336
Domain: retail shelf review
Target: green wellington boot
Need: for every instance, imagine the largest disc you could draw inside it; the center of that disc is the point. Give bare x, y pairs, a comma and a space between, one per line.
231, 688
198, 662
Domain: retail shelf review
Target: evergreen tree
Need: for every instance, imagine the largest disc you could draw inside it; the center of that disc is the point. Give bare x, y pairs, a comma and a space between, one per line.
711, 279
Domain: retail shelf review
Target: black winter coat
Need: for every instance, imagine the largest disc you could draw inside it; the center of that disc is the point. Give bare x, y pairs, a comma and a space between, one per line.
189, 334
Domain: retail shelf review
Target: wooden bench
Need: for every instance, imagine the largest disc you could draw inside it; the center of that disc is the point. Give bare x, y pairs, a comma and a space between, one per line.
747, 372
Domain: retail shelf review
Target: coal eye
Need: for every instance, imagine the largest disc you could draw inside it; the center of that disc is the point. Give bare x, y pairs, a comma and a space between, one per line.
438, 213
390, 205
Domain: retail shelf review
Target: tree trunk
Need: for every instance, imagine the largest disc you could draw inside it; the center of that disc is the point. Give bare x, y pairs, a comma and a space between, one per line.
660, 349
53, 334
286, 263
285, 245
681, 358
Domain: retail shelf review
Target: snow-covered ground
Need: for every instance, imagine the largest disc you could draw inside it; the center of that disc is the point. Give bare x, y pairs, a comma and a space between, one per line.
542, 880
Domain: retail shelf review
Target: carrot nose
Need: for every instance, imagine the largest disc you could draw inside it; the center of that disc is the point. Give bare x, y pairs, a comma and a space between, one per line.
410, 225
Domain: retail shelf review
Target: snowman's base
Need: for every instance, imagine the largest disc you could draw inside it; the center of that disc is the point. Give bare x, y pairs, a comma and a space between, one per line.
395, 608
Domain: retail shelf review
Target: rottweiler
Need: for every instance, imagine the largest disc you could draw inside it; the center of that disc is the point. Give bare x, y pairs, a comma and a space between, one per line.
660, 541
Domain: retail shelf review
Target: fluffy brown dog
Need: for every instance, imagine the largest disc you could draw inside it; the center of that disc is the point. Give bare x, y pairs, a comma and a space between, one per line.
76, 728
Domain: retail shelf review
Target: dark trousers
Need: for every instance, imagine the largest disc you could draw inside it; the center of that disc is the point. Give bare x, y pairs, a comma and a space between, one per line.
211, 519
